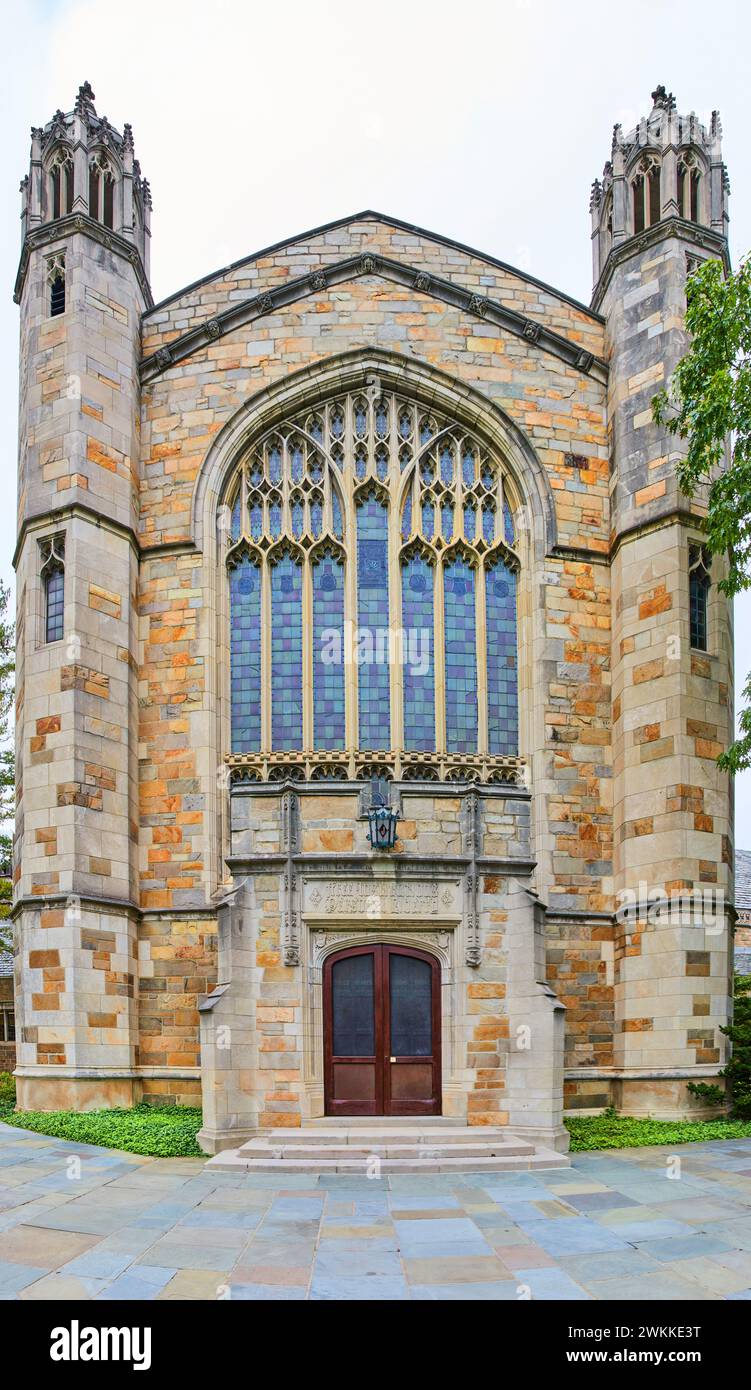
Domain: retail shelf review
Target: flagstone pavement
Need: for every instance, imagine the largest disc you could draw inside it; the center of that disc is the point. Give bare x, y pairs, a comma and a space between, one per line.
82, 1222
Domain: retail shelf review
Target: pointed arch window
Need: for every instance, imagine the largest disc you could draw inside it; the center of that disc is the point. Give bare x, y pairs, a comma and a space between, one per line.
699, 585
372, 550
53, 585
61, 184
645, 193
689, 181
102, 191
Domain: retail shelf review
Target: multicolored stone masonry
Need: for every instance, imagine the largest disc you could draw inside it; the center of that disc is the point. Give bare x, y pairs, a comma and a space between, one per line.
188, 851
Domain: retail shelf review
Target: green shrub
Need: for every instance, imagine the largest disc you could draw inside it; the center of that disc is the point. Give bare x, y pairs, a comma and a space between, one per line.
713, 1095
738, 1069
7, 1091
165, 1131
611, 1131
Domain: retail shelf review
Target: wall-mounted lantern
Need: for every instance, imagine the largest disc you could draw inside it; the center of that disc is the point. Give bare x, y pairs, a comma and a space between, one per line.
382, 817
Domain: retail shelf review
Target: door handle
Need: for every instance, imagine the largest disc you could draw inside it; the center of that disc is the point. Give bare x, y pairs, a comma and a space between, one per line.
392, 1059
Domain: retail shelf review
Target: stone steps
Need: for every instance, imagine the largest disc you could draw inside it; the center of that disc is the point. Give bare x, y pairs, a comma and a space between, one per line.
414, 1148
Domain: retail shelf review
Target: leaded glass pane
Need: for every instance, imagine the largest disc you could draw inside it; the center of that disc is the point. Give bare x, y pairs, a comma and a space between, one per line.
419, 674
410, 1006
461, 658
55, 586
328, 652
373, 622
245, 656
509, 530
503, 715
353, 1006
286, 653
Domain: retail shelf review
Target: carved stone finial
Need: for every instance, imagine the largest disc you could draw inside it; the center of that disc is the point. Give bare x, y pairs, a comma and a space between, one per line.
127, 136
617, 138
662, 100
716, 124
595, 197
85, 101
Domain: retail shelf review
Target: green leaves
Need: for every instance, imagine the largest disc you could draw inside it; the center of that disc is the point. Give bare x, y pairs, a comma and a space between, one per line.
708, 404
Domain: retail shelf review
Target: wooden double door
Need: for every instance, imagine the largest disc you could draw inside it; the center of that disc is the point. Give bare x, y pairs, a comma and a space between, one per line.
382, 1032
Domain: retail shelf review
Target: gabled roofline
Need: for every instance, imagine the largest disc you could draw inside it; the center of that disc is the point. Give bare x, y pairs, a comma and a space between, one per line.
369, 214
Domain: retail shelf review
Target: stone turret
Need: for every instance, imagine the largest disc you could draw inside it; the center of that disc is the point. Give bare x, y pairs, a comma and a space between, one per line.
82, 287
659, 210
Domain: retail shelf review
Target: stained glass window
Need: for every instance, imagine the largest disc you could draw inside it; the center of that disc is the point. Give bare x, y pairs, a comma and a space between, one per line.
418, 666
328, 652
373, 622
500, 619
286, 653
331, 508
245, 655
55, 588
461, 657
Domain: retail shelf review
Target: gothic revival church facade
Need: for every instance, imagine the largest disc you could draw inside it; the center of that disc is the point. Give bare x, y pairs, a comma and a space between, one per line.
371, 668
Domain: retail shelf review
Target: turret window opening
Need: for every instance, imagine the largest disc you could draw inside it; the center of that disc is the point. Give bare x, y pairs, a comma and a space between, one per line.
56, 284
53, 585
645, 190
61, 185
102, 192
689, 180
699, 584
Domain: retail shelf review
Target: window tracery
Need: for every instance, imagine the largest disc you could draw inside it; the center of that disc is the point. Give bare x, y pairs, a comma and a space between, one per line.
372, 559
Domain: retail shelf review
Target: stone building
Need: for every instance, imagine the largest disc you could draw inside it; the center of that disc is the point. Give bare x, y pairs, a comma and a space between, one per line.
369, 524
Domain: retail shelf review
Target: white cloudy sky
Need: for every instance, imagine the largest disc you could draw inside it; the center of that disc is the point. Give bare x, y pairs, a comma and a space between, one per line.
486, 120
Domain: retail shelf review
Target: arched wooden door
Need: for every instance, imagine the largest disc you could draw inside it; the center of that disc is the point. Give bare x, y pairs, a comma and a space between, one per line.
382, 1032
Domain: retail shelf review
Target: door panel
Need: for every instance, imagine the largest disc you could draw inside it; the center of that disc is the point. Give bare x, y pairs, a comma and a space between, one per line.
382, 1032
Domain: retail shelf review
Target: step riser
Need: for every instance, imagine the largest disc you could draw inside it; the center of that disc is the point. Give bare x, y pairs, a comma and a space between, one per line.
386, 1166
420, 1153
388, 1136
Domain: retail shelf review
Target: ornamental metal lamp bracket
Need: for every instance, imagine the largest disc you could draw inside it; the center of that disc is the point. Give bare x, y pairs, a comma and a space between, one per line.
382, 816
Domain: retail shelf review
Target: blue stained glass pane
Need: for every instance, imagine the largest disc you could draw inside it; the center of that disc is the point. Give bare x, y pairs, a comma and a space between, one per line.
407, 517
447, 464
488, 523
487, 476
405, 424
336, 508
382, 419
256, 474
509, 530
382, 463
428, 520
275, 463
297, 463
419, 670
316, 519
275, 519
361, 463
461, 658
315, 469
235, 524
426, 430
328, 653
316, 430
468, 468
298, 519
373, 618
503, 715
286, 654
469, 523
361, 419
447, 520
337, 423
245, 656
256, 519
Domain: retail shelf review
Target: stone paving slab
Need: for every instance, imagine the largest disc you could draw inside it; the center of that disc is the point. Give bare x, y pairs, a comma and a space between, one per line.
612, 1226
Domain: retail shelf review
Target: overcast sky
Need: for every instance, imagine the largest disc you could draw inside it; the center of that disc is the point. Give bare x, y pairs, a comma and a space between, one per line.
486, 121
